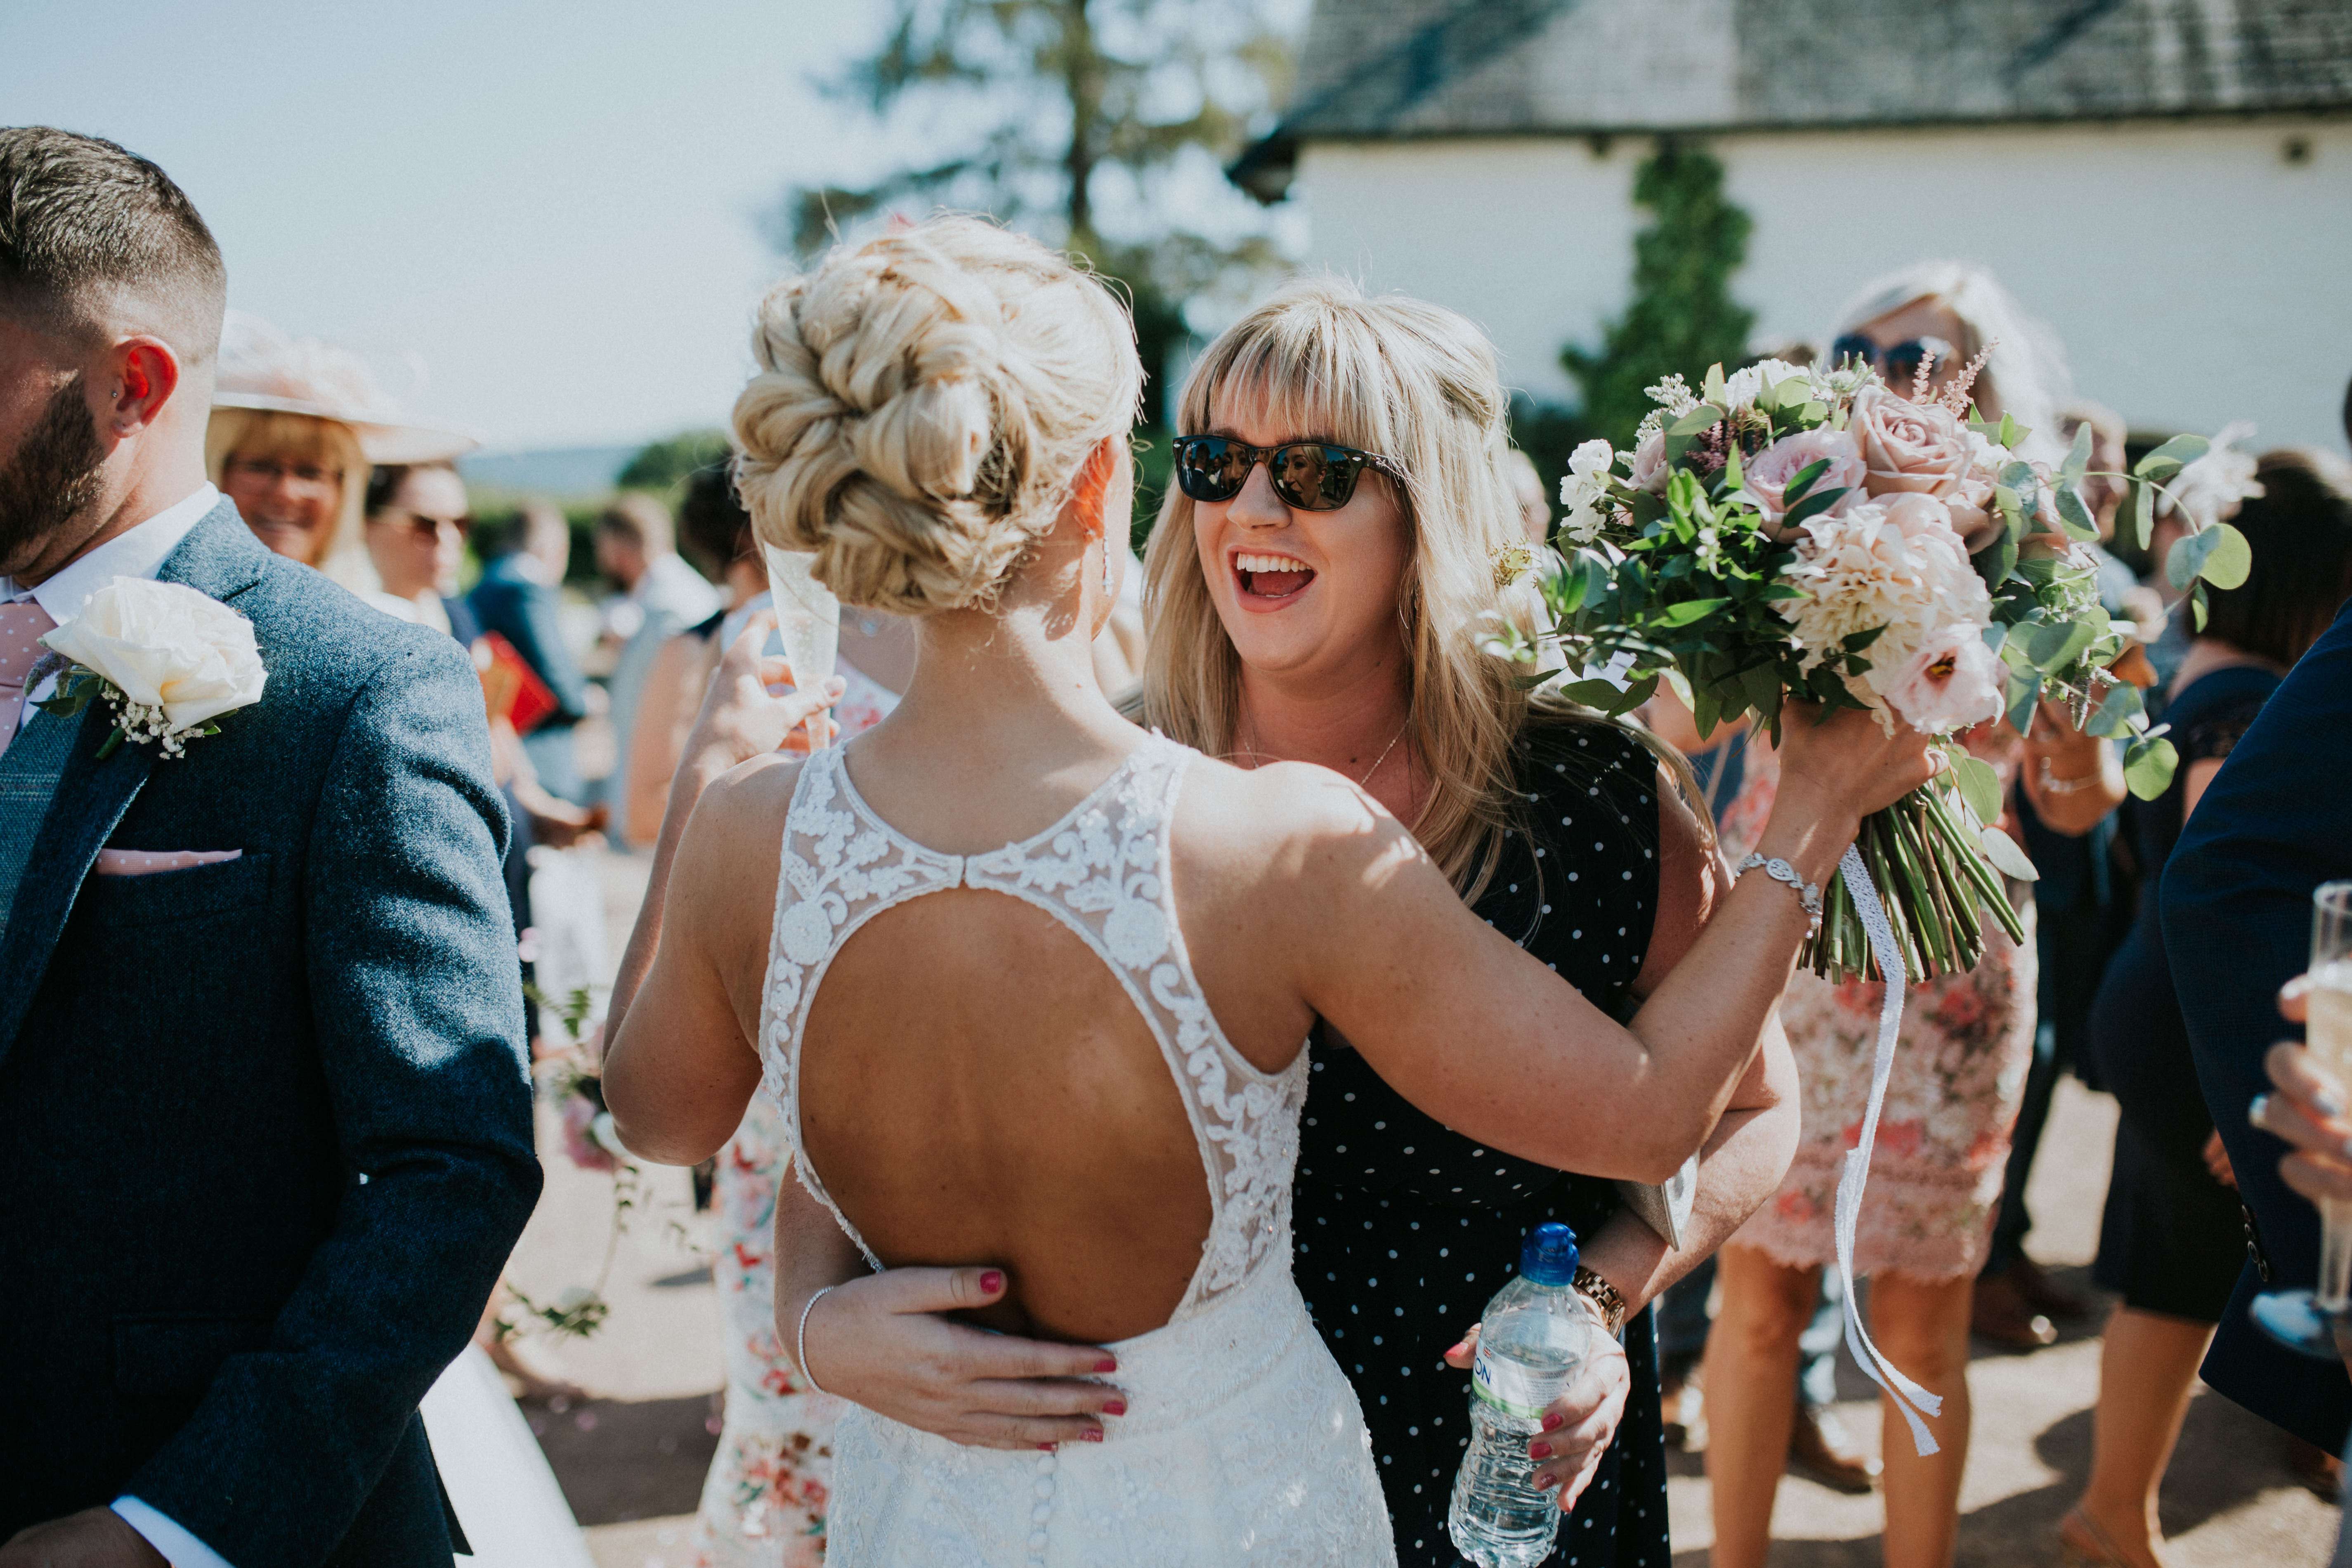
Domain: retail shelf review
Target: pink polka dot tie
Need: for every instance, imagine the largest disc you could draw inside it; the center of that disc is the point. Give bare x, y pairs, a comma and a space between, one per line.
21, 626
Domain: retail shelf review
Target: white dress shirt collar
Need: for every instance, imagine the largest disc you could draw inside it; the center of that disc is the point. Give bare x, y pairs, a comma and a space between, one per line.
138, 551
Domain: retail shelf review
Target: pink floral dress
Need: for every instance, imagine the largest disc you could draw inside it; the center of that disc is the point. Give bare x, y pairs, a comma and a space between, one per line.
763, 1503
1959, 1071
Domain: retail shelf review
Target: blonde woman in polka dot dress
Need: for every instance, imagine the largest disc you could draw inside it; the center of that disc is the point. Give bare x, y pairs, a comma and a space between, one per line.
1566, 833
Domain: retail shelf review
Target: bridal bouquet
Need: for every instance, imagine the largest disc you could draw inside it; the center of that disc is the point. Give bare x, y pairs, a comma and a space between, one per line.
1789, 533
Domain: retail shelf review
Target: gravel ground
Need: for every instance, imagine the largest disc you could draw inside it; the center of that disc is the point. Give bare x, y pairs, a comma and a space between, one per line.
632, 1457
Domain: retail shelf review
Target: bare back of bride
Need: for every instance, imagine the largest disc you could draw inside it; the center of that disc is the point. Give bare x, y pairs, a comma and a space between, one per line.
1033, 986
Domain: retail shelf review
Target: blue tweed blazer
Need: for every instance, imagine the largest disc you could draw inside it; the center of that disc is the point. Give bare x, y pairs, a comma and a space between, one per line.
267, 1122
2274, 824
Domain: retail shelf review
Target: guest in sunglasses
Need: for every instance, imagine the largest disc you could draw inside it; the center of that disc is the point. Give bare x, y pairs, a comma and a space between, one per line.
417, 524
1944, 314
1341, 525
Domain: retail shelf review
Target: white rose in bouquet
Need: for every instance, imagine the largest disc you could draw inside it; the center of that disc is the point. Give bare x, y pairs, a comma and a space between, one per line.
1952, 683
165, 647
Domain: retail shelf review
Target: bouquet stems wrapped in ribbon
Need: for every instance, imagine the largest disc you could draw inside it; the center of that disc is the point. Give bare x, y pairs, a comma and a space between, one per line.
1792, 534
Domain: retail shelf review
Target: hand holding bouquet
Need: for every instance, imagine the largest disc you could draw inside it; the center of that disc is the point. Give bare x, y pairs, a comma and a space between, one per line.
1787, 532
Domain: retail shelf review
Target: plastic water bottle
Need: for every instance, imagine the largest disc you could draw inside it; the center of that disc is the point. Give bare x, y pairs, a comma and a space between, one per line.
1532, 1342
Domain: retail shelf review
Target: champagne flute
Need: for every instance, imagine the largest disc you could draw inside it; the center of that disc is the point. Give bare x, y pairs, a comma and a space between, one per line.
808, 619
2308, 1320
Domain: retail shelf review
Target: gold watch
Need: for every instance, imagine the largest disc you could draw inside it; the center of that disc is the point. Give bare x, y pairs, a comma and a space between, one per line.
1604, 1299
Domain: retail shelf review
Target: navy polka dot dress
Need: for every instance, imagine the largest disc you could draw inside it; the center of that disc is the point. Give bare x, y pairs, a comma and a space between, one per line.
1404, 1229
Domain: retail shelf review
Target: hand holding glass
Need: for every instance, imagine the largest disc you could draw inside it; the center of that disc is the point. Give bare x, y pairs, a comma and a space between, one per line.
2307, 1320
808, 619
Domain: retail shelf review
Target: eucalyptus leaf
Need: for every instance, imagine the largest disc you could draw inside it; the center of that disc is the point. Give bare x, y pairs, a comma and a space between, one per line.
2006, 856
2230, 559
2080, 524
2143, 513
2122, 704
1979, 787
1712, 391
2171, 458
2186, 561
2024, 691
2055, 647
2197, 606
2070, 473
2148, 765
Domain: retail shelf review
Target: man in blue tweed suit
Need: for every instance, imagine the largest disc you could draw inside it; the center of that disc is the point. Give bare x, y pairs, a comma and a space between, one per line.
264, 1107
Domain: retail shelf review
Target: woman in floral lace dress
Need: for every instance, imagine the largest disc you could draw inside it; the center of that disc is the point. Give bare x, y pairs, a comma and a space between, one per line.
1960, 1061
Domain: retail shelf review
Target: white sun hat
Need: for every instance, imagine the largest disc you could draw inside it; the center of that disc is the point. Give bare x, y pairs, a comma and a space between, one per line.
261, 367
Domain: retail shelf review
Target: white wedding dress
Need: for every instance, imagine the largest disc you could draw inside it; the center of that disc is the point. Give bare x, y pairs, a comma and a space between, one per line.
1246, 1444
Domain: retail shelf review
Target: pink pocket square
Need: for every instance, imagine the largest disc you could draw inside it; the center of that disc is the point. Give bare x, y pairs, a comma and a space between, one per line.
147, 862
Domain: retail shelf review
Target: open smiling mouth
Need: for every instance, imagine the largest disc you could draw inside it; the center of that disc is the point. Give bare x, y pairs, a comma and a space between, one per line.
1272, 578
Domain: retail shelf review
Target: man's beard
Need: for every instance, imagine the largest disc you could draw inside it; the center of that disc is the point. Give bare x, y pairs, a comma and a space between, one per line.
52, 477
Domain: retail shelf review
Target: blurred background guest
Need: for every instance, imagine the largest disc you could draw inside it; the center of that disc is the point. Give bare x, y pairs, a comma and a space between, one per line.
1527, 487
715, 531
1961, 1067
1946, 313
658, 596
417, 524
296, 424
2172, 1240
519, 598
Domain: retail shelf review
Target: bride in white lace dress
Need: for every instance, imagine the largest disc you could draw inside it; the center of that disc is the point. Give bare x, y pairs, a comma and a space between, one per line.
1033, 986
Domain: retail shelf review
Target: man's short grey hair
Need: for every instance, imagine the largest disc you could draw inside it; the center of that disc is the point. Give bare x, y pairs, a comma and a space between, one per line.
92, 236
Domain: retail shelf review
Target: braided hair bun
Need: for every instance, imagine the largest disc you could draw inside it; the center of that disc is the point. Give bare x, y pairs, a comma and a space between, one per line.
923, 404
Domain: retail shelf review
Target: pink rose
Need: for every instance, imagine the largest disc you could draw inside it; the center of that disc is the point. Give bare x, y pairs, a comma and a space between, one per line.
1952, 682
1650, 472
1766, 475
1906, 447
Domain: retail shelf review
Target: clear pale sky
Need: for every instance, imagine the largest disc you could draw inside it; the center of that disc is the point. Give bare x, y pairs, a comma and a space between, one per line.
556, 205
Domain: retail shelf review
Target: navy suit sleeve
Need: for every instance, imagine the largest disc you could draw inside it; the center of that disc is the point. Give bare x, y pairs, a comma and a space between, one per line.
416, 1001
528, 614
2275, 823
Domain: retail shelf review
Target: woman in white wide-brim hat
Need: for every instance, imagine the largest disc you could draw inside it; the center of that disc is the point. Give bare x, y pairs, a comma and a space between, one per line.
296, 424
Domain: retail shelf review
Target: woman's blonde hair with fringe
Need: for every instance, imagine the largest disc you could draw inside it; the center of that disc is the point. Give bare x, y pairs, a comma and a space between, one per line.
1416, 383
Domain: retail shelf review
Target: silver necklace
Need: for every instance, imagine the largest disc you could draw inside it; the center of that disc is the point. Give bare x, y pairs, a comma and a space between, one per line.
1376, 761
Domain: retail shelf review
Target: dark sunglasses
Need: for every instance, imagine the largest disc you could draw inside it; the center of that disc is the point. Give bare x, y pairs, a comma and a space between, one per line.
430, 527
1899, 363
1313, 476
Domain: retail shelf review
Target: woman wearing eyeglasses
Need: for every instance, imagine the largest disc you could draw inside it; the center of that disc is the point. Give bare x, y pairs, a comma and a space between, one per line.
296, 424
1341, 529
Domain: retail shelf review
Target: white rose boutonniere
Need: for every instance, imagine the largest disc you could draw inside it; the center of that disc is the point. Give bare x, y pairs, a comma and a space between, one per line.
167, 659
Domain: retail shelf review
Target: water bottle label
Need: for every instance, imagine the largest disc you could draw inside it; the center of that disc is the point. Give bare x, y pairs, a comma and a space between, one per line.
1513, 1388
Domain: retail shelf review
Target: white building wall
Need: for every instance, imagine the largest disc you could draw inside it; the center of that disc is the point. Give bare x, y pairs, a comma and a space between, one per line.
2194, 275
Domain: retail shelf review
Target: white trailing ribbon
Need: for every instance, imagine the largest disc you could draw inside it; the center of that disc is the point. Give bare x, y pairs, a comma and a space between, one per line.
1905, 1392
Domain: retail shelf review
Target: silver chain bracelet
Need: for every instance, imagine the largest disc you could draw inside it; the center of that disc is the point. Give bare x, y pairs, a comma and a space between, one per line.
1809, 894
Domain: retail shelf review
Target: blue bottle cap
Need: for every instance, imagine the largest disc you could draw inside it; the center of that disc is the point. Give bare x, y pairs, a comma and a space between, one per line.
1548, 1255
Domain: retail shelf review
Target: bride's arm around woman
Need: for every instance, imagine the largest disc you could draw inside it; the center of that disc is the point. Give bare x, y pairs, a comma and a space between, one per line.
1033, 986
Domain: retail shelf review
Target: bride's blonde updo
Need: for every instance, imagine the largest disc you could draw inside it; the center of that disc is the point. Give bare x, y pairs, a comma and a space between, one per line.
923, 406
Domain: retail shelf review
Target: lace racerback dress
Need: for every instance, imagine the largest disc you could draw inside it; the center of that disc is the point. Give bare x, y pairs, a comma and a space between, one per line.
1245, 1444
